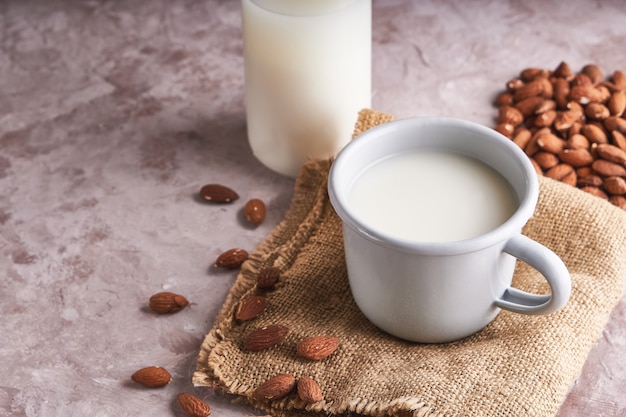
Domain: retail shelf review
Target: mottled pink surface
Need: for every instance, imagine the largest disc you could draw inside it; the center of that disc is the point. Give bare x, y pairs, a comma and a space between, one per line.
114, 113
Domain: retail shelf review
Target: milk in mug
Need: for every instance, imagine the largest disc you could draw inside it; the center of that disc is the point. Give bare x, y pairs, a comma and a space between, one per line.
432, 196
307, 75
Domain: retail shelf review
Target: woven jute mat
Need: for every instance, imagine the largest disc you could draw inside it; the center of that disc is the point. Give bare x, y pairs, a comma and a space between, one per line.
518, 365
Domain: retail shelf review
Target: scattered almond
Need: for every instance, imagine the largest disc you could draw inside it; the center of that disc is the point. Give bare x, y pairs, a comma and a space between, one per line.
275, 388
265, 337
309, 391
255, 211
192, 406
167, 302
267, 278
217, 193
152, 377
250, 307
315, 348
232, 258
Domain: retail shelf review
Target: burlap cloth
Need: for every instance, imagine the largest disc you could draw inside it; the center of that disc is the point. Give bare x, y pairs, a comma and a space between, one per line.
517, 366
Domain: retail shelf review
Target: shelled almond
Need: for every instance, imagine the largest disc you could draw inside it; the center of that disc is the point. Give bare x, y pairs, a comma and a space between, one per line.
571, 125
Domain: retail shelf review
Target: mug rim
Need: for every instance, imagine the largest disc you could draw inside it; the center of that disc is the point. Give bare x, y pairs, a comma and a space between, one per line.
504, 231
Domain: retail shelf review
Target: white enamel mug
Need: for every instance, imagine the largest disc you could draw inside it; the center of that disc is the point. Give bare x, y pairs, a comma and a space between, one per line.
435, 292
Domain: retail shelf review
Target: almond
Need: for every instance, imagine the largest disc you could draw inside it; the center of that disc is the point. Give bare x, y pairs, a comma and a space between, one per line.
531, 89
267, 278
611, 153
593, 72
594, 133
529, 74
255, 211
265, 337
545, 118
563, 71
559, 172
561, 93
167, 302
570, 179
192, 406
505, 129
232, 258
152, 377
592, 180
550, 143
619, 139
577, 141
615, 123
527, 106
511, 115
576, 157
217, 193
309, 391
619, 79
595, 191
275, 388
546, 160
566, 119
584, 94
608, 169
545, 106
250, 307
597, 111
315, 348
504, 99
617, 103
615, 185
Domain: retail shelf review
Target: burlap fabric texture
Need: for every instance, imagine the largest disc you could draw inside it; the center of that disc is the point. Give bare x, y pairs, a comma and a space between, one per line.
517, 366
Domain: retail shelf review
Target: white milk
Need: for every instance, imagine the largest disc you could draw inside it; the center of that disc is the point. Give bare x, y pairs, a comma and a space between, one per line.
432, 196
307, 77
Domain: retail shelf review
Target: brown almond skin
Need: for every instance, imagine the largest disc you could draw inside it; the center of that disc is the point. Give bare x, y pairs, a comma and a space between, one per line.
619, 139
315, 348
152, 377
608, 169
267, 278
615, 185
309, 391
219, 194
559, 171
546, 160
594, 133
192, 406
611, 153
265, 337
167, 302
232, 258
255, 211
595, 191
576, 157
275, 388
550, 143
250, 307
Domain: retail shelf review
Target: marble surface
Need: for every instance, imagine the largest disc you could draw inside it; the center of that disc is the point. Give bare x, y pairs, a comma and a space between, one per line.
114, 113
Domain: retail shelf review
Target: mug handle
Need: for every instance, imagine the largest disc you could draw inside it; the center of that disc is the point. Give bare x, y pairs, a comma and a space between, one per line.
550, 266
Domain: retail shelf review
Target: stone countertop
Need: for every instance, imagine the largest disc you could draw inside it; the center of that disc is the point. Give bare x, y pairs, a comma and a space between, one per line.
113, 114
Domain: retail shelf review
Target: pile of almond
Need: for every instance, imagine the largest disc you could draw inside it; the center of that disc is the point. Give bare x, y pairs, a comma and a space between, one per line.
571, 125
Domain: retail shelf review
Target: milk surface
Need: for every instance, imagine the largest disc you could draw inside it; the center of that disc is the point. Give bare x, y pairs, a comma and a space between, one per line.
432, 196
306, 77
